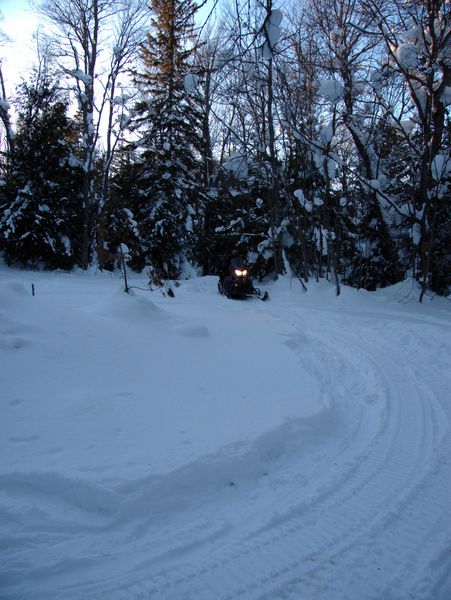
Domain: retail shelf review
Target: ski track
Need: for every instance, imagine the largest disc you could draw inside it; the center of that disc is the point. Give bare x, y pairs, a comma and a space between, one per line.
350, 496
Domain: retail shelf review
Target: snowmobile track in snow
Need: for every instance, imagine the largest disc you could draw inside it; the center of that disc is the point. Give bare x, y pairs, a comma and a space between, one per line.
351, 528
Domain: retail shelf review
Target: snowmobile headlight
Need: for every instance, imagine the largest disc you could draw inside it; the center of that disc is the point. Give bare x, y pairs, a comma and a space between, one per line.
241, 272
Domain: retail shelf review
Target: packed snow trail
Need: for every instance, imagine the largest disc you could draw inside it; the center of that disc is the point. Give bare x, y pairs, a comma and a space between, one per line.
297, 449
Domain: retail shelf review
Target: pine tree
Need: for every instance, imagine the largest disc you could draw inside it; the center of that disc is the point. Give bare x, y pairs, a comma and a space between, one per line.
117, 226
41, 223
170, 125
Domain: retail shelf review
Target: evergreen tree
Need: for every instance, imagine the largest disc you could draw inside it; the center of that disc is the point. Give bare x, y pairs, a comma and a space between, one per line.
169, 184
41, 223
117, 226
240, 214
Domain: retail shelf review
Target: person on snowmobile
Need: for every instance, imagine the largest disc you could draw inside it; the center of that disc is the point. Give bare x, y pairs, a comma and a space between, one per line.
225, 265
233, 279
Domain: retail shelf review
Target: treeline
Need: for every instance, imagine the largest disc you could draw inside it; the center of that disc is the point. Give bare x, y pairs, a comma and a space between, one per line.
314, 139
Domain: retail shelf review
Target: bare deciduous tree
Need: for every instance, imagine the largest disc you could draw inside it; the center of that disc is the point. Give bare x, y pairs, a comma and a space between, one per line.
417, 39
5, 117
83, 32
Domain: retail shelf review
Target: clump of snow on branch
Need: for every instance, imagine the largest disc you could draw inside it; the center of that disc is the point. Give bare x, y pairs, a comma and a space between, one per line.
121, 100
131, 222
408, 126
445, 98
440, 167
331, 90
80, 75
237, 164
272, 33
306, 204
190, 82
326, 134
416, 234
407, 56
376, 80
414, 35
420, 92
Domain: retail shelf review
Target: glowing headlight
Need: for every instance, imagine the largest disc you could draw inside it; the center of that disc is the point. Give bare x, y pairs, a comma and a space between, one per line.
241, 273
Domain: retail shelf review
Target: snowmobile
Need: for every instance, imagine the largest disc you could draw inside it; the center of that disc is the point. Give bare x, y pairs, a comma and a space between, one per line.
236, 283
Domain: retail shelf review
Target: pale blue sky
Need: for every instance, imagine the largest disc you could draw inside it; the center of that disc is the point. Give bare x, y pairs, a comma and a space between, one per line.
10, 7
19, 24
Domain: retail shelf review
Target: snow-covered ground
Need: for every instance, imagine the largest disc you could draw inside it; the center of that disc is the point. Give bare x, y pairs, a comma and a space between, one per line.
199, 448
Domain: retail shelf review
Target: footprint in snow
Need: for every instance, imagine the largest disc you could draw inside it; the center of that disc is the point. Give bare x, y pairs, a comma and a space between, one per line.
16, 401
19, 439
192, 330
12, 341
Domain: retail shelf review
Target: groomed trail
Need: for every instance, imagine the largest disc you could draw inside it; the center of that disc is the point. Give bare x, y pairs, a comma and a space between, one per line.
318, 467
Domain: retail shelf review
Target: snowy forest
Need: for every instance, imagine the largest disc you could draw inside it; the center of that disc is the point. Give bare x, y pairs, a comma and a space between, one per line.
312, 136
